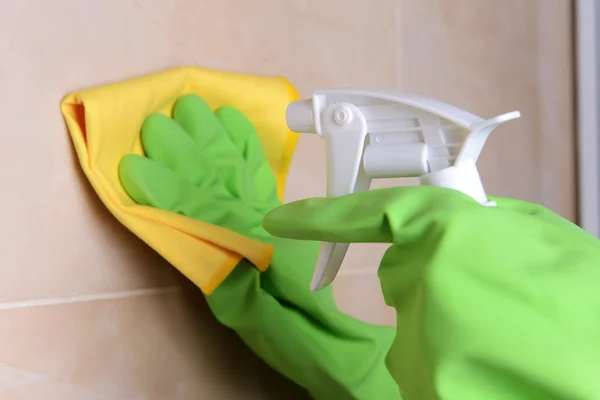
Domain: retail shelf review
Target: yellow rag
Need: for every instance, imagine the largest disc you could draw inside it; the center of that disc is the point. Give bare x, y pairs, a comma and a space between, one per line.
104, 123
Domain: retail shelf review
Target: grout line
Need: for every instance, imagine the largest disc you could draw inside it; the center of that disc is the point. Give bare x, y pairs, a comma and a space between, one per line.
11, 305
358, 271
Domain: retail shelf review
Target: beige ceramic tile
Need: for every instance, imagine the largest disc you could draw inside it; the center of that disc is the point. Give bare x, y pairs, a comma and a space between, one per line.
363, 257
158, 347
316, 44
360, 296
58, 239
492, 57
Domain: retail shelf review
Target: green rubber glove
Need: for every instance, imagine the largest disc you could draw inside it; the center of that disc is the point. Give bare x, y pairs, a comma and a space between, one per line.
494, 303
211, 167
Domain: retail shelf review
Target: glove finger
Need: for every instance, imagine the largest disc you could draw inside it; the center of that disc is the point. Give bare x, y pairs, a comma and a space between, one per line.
165, 142
376, 216
199, 121
261, 187
151, 184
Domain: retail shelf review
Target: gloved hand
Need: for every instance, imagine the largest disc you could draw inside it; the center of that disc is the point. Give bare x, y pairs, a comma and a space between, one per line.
211, 167
494, 303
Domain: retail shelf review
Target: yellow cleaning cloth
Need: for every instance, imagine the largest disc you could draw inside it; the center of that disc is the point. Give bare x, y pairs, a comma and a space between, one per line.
105, 122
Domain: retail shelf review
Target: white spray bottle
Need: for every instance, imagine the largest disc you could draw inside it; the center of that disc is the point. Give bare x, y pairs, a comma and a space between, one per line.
378, 134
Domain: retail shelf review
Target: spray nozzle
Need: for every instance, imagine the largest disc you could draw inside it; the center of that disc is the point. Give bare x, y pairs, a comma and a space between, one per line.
376, 134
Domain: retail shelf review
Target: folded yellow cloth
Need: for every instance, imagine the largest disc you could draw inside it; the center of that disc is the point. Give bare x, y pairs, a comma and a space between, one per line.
105, 122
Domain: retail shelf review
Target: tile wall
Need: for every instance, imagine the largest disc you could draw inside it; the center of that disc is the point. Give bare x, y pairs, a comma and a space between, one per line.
87, 311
